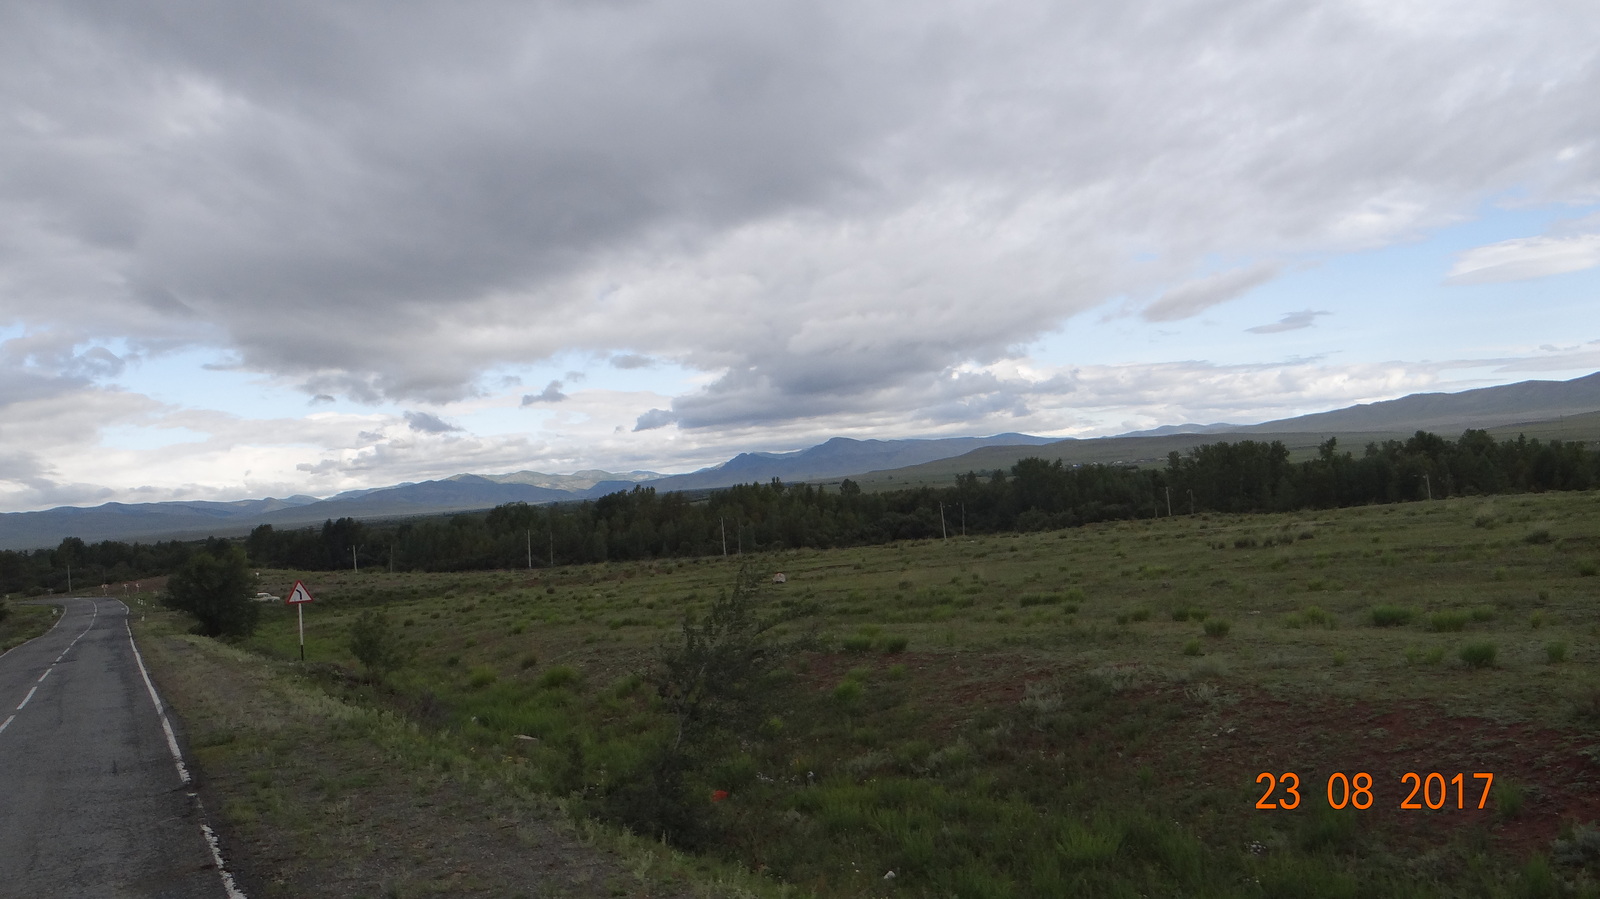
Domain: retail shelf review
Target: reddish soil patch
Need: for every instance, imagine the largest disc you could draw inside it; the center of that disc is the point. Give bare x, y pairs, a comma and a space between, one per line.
1229, 744
1317, 738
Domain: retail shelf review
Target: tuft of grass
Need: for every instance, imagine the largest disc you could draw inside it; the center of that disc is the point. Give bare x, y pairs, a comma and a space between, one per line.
481, 676
1192, 648
1340, 659
1588, 568
1509, 798
1478, 655
1217, 628
1391, 616
559, 676
1536, 619
1448, 621
1555, 653
1541, 535
1482, 614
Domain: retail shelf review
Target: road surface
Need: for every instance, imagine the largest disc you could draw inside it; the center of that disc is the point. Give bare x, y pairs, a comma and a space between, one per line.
93, 801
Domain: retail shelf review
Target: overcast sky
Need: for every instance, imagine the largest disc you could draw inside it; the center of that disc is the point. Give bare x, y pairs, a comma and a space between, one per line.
303, 247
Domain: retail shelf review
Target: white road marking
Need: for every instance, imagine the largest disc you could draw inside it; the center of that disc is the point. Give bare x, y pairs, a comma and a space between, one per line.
28, 697
45, 674
7, 724
228, 883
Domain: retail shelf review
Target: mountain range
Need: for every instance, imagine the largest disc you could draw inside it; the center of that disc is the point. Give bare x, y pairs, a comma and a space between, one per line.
883, 462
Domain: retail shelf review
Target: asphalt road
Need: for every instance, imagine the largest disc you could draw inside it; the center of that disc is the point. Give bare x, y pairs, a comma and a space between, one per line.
92, 800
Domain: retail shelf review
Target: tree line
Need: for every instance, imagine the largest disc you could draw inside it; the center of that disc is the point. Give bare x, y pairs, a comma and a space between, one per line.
1034, 494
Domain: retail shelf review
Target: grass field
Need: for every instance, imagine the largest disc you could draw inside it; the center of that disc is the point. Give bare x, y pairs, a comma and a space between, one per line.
22, 623
1081, 712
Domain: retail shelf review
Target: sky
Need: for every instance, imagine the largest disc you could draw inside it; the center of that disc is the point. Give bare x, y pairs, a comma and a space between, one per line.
258, 250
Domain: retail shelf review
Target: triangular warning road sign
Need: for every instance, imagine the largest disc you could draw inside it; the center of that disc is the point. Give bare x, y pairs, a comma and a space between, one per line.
299, 594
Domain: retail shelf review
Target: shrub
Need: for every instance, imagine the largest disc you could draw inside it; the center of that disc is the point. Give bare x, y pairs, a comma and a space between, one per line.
1192, 648
1217, 628
1478, 655
1588, 569
1451, 621
1556, 652
1481, 614
1391, 616
216, 588
1140, 615
895, 644
1542, 535
374, 644
481, 676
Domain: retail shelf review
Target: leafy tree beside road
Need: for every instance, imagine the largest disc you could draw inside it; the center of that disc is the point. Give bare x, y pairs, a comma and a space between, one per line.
216, 587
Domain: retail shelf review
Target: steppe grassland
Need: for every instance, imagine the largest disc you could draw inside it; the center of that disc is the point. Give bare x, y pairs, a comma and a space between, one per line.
935, 655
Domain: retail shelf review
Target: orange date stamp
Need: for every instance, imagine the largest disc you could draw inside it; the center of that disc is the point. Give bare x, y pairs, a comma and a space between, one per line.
1432, 790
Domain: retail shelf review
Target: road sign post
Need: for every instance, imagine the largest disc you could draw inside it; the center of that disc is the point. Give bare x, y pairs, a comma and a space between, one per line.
298, 597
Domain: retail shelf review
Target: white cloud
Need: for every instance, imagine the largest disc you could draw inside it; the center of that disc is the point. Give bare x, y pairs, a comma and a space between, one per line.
1525, 258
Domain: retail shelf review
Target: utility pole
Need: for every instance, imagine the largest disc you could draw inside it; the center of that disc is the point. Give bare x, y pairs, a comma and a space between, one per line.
963, 521
1191, 502
69, 578
353, 565
552, 535
1428, 485
530, 549
391, 558
724, 522
942, 531
1169, 502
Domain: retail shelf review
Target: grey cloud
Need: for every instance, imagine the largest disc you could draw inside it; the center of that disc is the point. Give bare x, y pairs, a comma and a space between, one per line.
655, 418
1291, 321
551, 394
388, 202
428, 423
1197, 296
631, 361
321, 399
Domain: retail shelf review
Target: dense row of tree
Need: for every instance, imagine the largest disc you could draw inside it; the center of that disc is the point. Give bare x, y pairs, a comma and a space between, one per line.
88, 565
1247, 476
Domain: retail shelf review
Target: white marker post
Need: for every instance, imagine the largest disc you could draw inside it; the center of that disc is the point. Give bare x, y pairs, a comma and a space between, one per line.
298, 597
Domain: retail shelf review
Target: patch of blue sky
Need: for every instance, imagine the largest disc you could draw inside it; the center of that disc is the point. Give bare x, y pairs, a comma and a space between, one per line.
1389, 304
183, 379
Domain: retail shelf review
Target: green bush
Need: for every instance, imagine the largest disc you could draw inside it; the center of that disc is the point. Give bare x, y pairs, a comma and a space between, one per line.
1588, 569
1217, 628
1542, 535
894, 645
1556, 652
1391, 616
1192, 648
374, 644
216, 587
1482, 614
1478, 655
1446, 622
481, 676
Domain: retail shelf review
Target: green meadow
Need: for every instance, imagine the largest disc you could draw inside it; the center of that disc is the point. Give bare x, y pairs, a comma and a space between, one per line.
1112, 710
